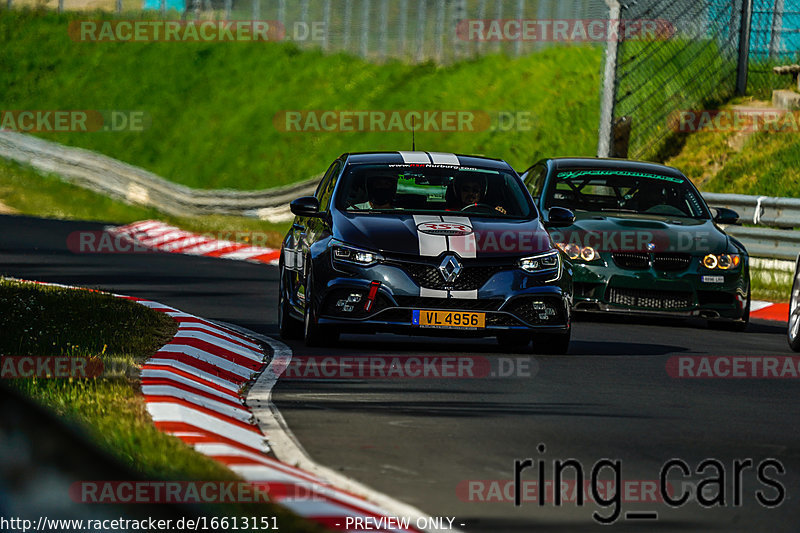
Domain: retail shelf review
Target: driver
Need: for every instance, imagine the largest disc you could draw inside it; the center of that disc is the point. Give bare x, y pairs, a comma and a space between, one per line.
381, 190
470, 190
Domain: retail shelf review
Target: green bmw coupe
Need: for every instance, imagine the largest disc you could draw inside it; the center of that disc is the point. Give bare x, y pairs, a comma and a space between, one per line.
644, 240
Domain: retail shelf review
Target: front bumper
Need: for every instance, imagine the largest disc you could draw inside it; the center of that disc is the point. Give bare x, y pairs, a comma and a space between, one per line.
692, 292
511, 299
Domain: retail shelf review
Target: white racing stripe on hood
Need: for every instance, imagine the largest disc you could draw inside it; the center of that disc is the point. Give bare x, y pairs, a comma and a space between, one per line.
419, 158
440, 158
430, 245
464, 245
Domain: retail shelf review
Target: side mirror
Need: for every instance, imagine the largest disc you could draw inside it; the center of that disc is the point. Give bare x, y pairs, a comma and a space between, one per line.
306, 206
558, 217
726, 216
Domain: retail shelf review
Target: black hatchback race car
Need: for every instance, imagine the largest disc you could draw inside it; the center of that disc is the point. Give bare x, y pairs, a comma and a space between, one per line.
424, 243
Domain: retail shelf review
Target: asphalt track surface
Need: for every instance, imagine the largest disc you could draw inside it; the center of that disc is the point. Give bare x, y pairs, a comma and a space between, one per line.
421, 440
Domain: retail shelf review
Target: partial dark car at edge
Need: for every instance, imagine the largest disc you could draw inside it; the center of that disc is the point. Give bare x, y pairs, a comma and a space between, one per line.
644, 241
424, 244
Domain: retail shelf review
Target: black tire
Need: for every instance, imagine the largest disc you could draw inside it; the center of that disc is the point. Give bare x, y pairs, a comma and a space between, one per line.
289, 327
793, 329
514, 341
733, 325
315, 334
552, 343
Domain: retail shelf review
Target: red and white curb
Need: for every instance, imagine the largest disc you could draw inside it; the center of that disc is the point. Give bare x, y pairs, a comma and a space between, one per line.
193, 390
162, 237
776, 312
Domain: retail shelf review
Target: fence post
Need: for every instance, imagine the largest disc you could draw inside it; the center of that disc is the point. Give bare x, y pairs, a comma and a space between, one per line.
8, 4
256, 9
402, 28
282, 14
365, 28
384, 29
348, 24
481, 44
459, 14
609, 96
440, 8
520, 17
163, 8
60, 6
744, 47
326, 23
422, 9
228, 7
777, 29
499, 16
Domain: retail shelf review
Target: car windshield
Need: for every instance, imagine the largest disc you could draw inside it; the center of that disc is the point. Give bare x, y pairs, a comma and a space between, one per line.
433, 189
626, 192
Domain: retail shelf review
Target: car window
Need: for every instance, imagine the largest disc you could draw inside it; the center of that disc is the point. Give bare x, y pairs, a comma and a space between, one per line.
434, 189
325, 181
327, 192
625, 191
534, 180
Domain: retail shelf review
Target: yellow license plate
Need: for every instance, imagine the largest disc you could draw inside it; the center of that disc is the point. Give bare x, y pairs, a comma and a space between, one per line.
449, 319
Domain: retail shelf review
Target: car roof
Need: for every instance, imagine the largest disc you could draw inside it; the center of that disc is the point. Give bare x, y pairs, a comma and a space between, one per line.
424, 157
612, 164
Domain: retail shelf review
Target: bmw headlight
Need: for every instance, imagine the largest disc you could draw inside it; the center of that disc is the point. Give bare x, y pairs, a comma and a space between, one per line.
721, 261
549, 262
573, 251
357, 256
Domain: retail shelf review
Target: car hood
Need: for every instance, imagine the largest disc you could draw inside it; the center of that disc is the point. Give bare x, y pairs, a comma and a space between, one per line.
432, 235
634, 232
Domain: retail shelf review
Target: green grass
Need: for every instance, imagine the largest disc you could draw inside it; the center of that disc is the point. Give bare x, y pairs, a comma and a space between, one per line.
212, 105
30, 193
40, 320
762, 163
768, 287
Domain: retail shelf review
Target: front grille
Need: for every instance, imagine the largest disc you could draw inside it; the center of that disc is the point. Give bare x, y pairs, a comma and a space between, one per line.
631, 259
471, 278
537, 311
649, 299
456, 304
671, 261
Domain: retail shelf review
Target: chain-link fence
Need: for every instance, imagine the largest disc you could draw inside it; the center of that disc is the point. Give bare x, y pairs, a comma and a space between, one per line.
693, 66
411, 30
775, 41
715, 50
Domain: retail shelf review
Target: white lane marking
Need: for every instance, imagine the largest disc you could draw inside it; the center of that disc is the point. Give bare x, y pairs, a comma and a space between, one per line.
465, 246
429, 245
418, 158
440, 158
288, 449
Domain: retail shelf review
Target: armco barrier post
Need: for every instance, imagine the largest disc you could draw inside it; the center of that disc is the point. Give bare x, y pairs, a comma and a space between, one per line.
421, 19
365, 6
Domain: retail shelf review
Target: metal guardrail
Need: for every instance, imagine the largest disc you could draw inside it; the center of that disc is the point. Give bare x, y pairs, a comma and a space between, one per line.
771, 212
130, 184
134, 185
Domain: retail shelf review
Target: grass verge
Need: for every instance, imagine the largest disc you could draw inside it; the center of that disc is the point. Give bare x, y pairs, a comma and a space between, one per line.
39, 320
30, 193
212, 106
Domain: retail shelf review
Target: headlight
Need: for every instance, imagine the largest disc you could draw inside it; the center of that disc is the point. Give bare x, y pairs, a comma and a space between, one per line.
573, 251
348, 254
722, 261
546, 262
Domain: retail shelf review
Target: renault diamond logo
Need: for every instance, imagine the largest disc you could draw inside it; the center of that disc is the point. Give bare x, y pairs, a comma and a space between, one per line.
651, 247
450, 268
